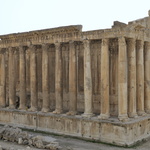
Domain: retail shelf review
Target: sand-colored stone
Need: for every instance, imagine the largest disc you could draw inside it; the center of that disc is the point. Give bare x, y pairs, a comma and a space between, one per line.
45, 79
131, 78
33, 78
147, 77
105, 80
58, 80
3, 80
72, 79
140, 77
12, 91
91, 84
22, 78
88, 109
122, 79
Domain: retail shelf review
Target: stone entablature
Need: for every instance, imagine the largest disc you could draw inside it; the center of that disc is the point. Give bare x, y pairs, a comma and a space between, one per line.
102, 74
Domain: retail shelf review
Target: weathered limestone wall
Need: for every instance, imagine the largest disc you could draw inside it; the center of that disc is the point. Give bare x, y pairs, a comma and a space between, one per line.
116, 132
66, 72
32, 78
36, 77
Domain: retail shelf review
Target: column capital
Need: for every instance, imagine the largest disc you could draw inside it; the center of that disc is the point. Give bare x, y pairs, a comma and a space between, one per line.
86, 43
140, 44
45, 46
121, 41
105, 41
10, 49
131, 41
71, 42
57, 45
2, 50
21, 49
32, 47
147, 45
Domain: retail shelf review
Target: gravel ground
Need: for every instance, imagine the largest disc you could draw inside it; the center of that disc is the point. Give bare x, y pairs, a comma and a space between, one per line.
68, 143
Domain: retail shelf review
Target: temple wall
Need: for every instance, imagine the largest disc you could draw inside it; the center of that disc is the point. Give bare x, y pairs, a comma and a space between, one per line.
96, 71
92, 84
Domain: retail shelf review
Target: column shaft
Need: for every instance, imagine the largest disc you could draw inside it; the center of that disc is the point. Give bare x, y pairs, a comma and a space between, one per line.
3, 81
88, 109
147, 77
33, 78
72, 80
104, 79
132, 78
12, 92
22, 78
45, 81
140, 78
122, 80
58, 80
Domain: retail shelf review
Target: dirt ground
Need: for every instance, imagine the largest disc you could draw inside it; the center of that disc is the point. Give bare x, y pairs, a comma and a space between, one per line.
68, 143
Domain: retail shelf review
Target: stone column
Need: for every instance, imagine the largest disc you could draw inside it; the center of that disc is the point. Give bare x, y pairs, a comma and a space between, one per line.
132, 78
3, 80
33, 78
12, 91
88, 107
45, 81
122, 80
140, 78
22, 70
104, 79
72, 79
147, 77
58, 80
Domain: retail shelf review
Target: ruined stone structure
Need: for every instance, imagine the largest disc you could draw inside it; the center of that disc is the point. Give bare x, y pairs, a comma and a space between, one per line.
93, 84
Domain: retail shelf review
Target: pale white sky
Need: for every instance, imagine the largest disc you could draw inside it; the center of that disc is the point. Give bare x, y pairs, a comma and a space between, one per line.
26, 15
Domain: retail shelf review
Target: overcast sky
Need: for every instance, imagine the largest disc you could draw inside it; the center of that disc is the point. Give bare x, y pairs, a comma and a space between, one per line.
26, 15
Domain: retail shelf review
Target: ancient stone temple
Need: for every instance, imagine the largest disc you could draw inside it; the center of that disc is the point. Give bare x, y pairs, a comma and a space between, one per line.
93, 85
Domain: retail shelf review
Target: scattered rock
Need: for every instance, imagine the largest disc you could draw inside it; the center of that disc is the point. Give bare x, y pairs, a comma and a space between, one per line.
20, 141
14, 134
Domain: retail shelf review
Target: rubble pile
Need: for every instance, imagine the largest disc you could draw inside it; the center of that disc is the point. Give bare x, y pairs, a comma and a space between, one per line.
13, 134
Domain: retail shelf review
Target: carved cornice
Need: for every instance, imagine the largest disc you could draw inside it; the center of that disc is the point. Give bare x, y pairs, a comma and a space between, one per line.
40, 35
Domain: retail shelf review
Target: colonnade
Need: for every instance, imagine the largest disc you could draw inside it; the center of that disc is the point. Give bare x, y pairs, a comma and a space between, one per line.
133, 79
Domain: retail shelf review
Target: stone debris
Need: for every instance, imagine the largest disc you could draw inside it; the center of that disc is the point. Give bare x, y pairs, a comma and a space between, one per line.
14, 134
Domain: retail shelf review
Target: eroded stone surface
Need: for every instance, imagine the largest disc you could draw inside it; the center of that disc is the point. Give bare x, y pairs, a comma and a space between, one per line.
12, 134
101, 74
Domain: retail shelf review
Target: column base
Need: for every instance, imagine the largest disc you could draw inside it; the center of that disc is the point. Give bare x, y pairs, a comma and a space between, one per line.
147, 111
133, 115
103, 116
12, 107
57, 111
123, 118
22, 108
141, 113
45, 109
33, 109
88, 115
71, 113
2, 106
